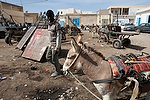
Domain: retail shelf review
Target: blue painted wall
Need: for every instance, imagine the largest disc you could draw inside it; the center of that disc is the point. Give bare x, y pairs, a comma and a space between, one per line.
62, 23
76, 21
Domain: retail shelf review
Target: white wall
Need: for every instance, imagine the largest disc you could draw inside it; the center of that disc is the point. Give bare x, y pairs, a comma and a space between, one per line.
132, 11
87, 12
66, 11
73, 11
143, 16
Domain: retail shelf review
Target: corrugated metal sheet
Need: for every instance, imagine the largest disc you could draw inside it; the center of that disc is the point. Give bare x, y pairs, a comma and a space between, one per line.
25, 38
37, 45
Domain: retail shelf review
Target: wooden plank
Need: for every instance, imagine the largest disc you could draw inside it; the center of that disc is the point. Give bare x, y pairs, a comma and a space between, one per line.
26, 37
37, 45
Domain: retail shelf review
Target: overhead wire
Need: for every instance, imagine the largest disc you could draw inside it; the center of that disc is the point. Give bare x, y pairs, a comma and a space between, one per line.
25, 3
34, 2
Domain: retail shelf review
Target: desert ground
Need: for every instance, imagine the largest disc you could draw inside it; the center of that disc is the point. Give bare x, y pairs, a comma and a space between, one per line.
21, 83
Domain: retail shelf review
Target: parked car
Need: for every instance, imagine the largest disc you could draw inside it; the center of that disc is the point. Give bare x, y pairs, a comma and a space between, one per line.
128, 27
3, 30
144, 27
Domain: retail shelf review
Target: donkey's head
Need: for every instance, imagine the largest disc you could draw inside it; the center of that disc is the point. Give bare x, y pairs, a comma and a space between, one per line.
73, 53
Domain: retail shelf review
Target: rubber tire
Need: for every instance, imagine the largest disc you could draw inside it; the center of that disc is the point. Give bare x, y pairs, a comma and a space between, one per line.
120, 37
138, 31
117, 43
126, 42
7, 39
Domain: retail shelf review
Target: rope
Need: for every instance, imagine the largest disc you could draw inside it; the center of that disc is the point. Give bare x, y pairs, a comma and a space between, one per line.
85, 87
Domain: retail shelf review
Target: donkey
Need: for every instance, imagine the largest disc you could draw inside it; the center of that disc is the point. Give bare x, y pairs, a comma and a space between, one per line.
95, 67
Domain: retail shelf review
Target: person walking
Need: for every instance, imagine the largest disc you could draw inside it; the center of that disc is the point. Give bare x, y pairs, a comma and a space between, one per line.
54, 32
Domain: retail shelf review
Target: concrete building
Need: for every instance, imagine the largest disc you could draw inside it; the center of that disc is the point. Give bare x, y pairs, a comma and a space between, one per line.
14, 10
81, 19
125, 12
31, 17
103, 17
71, 16
142, 16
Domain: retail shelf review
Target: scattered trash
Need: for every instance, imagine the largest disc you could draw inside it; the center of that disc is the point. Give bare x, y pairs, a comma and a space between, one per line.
76, 88
93, 44
86, 42
61, 98
3, 78
12, 77
76, 82
69, 91
33, 68
16, 88
102, 45
14, 59
25, 85
47, 69
1, 99
1, 56
68, 83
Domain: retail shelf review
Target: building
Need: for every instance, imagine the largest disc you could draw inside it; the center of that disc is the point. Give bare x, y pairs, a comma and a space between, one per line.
71, 16
15, 11
142, 16
124, 12
103, 17
30, 17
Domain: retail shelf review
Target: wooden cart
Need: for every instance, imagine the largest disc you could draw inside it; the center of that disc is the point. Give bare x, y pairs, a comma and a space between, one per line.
118, 39
113, 34
121, 39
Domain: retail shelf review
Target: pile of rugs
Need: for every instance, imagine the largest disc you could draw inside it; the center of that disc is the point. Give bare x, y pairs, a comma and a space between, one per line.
122, 65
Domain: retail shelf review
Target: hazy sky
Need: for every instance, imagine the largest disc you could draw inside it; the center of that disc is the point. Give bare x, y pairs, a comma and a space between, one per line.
37, 6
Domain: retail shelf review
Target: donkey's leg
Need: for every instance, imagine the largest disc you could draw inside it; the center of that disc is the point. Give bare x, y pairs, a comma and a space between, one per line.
148, 96
93, 34
104, 92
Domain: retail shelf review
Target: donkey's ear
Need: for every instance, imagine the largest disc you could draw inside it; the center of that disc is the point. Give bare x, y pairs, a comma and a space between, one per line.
75, 46
79, 38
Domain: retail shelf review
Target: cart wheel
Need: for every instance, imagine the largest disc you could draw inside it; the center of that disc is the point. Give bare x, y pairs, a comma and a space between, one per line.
120, 37
7, 39
117, 43
126, 42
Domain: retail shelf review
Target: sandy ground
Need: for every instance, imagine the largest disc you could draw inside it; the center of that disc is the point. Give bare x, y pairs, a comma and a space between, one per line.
22, 83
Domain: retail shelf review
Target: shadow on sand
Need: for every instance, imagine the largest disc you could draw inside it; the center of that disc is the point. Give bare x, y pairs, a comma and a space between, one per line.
136, 47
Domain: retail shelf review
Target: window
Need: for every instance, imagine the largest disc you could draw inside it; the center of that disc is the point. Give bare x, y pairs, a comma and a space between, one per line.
147, 25
125, 11
142, 24
116, 12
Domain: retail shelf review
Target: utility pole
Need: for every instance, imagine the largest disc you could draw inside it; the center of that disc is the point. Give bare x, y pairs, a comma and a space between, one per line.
117, 23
